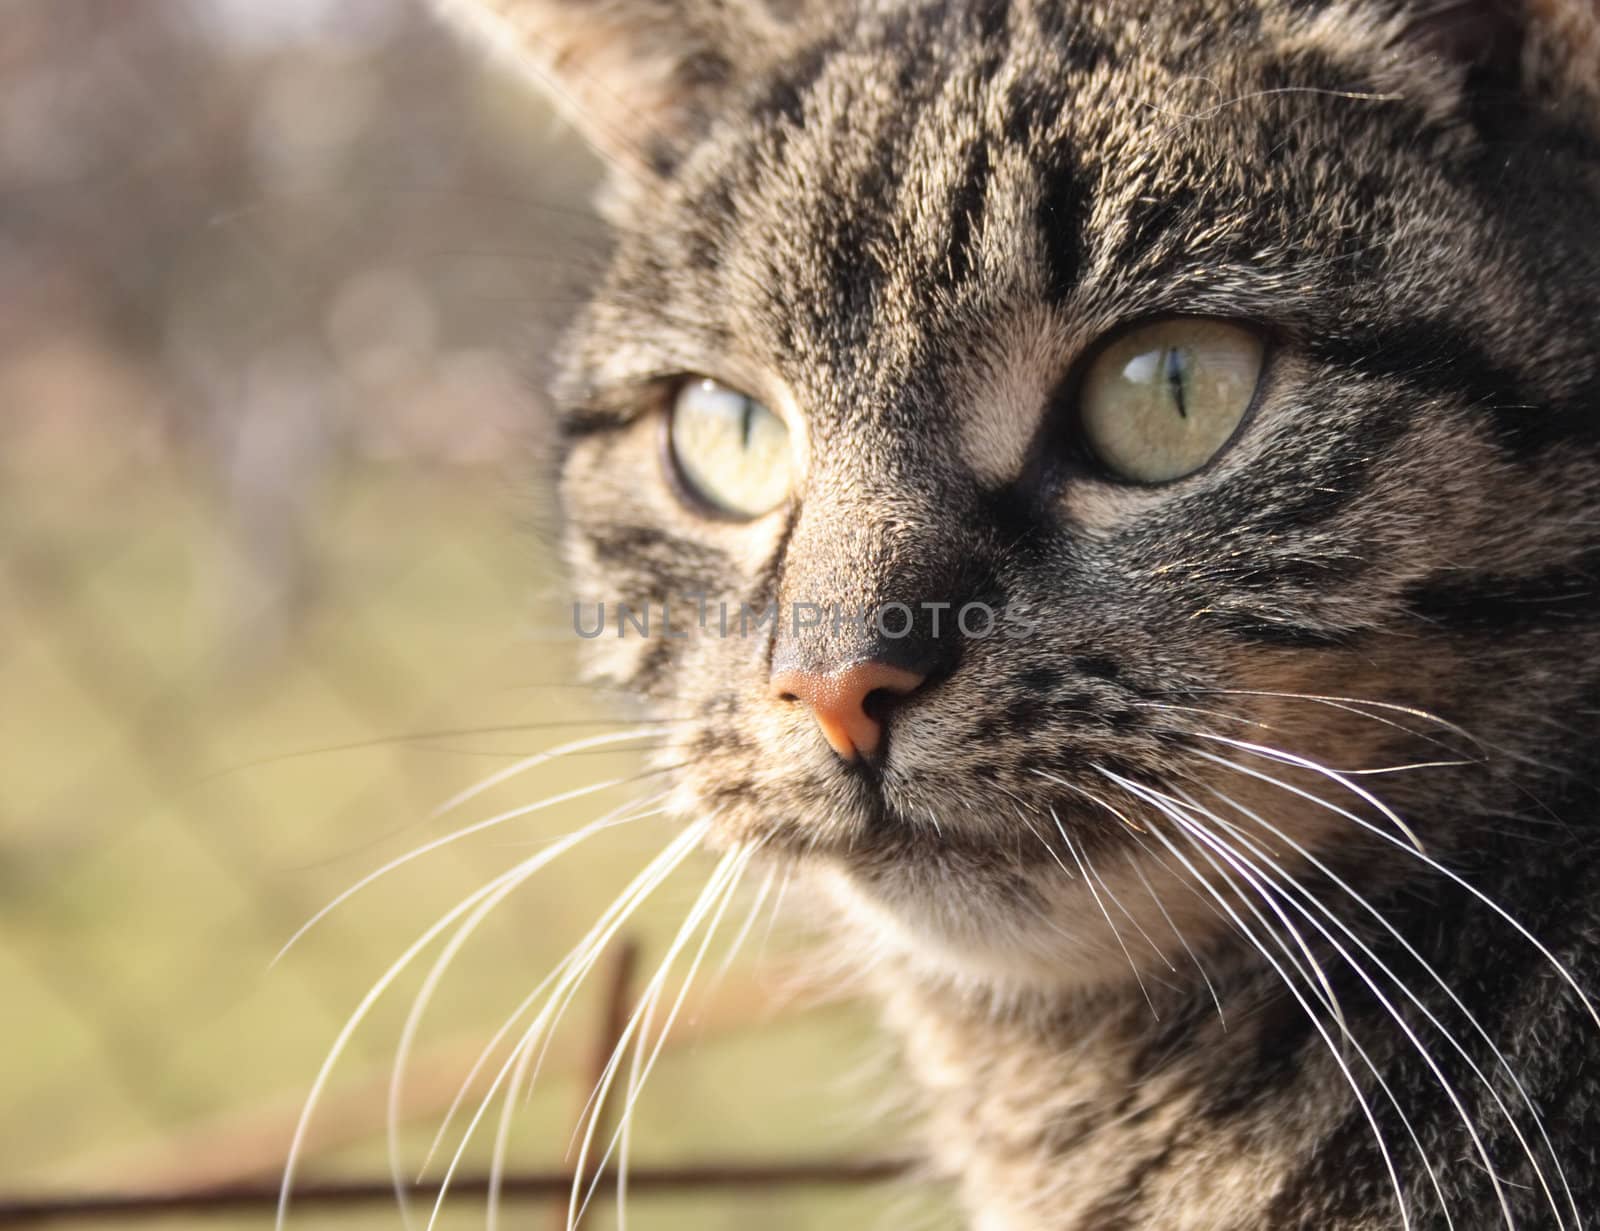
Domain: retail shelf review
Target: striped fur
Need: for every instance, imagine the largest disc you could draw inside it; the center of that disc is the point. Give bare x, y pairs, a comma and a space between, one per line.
902, 225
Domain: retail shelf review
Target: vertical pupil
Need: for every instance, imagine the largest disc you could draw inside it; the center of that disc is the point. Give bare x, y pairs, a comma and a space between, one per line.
747, 415
1172, 363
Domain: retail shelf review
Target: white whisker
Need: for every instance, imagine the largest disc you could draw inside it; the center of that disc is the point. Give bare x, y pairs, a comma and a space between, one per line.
1078, 859
514, 876
1265, 886
1168, 707
1353, 705
625, 814
1134, 831
1043, 841
1290, 758
1182, 940
745, 928
1450, 992
569, 971
1126, 913
1311, 967
1433, 863
1334, 1051
713, 901
480, 826
1416, 1042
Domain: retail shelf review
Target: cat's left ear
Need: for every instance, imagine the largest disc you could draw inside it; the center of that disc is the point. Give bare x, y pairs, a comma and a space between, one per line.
638, 78
1547, 50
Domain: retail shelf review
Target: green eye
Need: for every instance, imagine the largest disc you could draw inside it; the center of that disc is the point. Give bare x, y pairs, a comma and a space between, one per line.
1162, 400
730, 451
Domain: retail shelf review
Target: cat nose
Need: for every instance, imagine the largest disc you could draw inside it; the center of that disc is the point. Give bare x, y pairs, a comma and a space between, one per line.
843, 701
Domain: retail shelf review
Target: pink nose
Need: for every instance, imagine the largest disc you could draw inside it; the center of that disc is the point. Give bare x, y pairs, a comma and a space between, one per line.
838, 701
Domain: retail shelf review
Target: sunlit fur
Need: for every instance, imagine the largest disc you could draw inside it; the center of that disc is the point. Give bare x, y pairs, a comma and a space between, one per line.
1254, 886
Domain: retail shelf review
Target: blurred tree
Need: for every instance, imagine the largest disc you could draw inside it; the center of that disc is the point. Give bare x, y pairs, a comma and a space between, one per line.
311, 227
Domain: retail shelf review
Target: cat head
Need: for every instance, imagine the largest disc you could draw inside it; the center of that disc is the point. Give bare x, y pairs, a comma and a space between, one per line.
1065, 430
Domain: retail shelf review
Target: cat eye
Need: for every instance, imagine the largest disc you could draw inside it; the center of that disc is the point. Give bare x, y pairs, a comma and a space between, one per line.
1163, 399
729, 451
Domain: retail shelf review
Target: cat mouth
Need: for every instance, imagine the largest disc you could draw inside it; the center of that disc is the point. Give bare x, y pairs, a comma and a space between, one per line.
871, 830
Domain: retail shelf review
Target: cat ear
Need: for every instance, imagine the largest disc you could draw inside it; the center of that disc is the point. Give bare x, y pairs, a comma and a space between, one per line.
636, 77
1548, 50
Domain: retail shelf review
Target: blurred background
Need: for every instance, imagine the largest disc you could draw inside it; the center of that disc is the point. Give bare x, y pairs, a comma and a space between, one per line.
276, 280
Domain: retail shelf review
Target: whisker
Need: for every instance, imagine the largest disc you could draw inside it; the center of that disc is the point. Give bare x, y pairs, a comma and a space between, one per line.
1555, 963
1167, 707
777, 910
1182, 940
567, 974
745, 928
1043, 841
1078, 859
529, 1063
1379, 770
714, 900
1315, 1021
625, 1123
622, 1140
627, 813
1353, 704
1432, 1018
505, 775
1172, 808
478, 827
1131, 918
1261, 881
521, 872
1134, 830
1440, 981
1290, 758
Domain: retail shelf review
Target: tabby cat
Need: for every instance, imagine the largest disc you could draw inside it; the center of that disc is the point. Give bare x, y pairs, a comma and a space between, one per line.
1125, 480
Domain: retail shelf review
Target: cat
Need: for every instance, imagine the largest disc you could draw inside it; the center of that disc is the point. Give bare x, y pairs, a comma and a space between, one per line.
1126, 474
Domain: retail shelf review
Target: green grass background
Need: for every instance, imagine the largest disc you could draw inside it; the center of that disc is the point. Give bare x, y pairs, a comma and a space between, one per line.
160, 843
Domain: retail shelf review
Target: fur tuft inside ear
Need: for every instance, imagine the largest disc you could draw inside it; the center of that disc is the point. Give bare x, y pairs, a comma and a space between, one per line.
636, 77
1549, 50
1562, 56
1467, 58
1475, 33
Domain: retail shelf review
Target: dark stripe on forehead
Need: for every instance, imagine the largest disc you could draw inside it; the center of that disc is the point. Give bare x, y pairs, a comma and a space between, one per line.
991, 17
783, 99
849, 216
1031, 107
713, 217
913, 37
967, 201
1065, 30
1062, 215
700, 71
1153, 226
851, 269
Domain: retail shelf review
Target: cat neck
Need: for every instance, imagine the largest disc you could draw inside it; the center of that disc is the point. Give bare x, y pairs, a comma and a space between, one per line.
1167, 1106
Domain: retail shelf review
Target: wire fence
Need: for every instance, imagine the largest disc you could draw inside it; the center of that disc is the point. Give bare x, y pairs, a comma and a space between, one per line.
554, 1187
272, 279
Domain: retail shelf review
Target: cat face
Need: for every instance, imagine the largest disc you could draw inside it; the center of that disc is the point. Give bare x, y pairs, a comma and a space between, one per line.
1208, 357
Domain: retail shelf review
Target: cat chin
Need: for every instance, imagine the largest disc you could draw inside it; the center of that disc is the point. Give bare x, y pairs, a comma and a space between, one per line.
1007, 937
